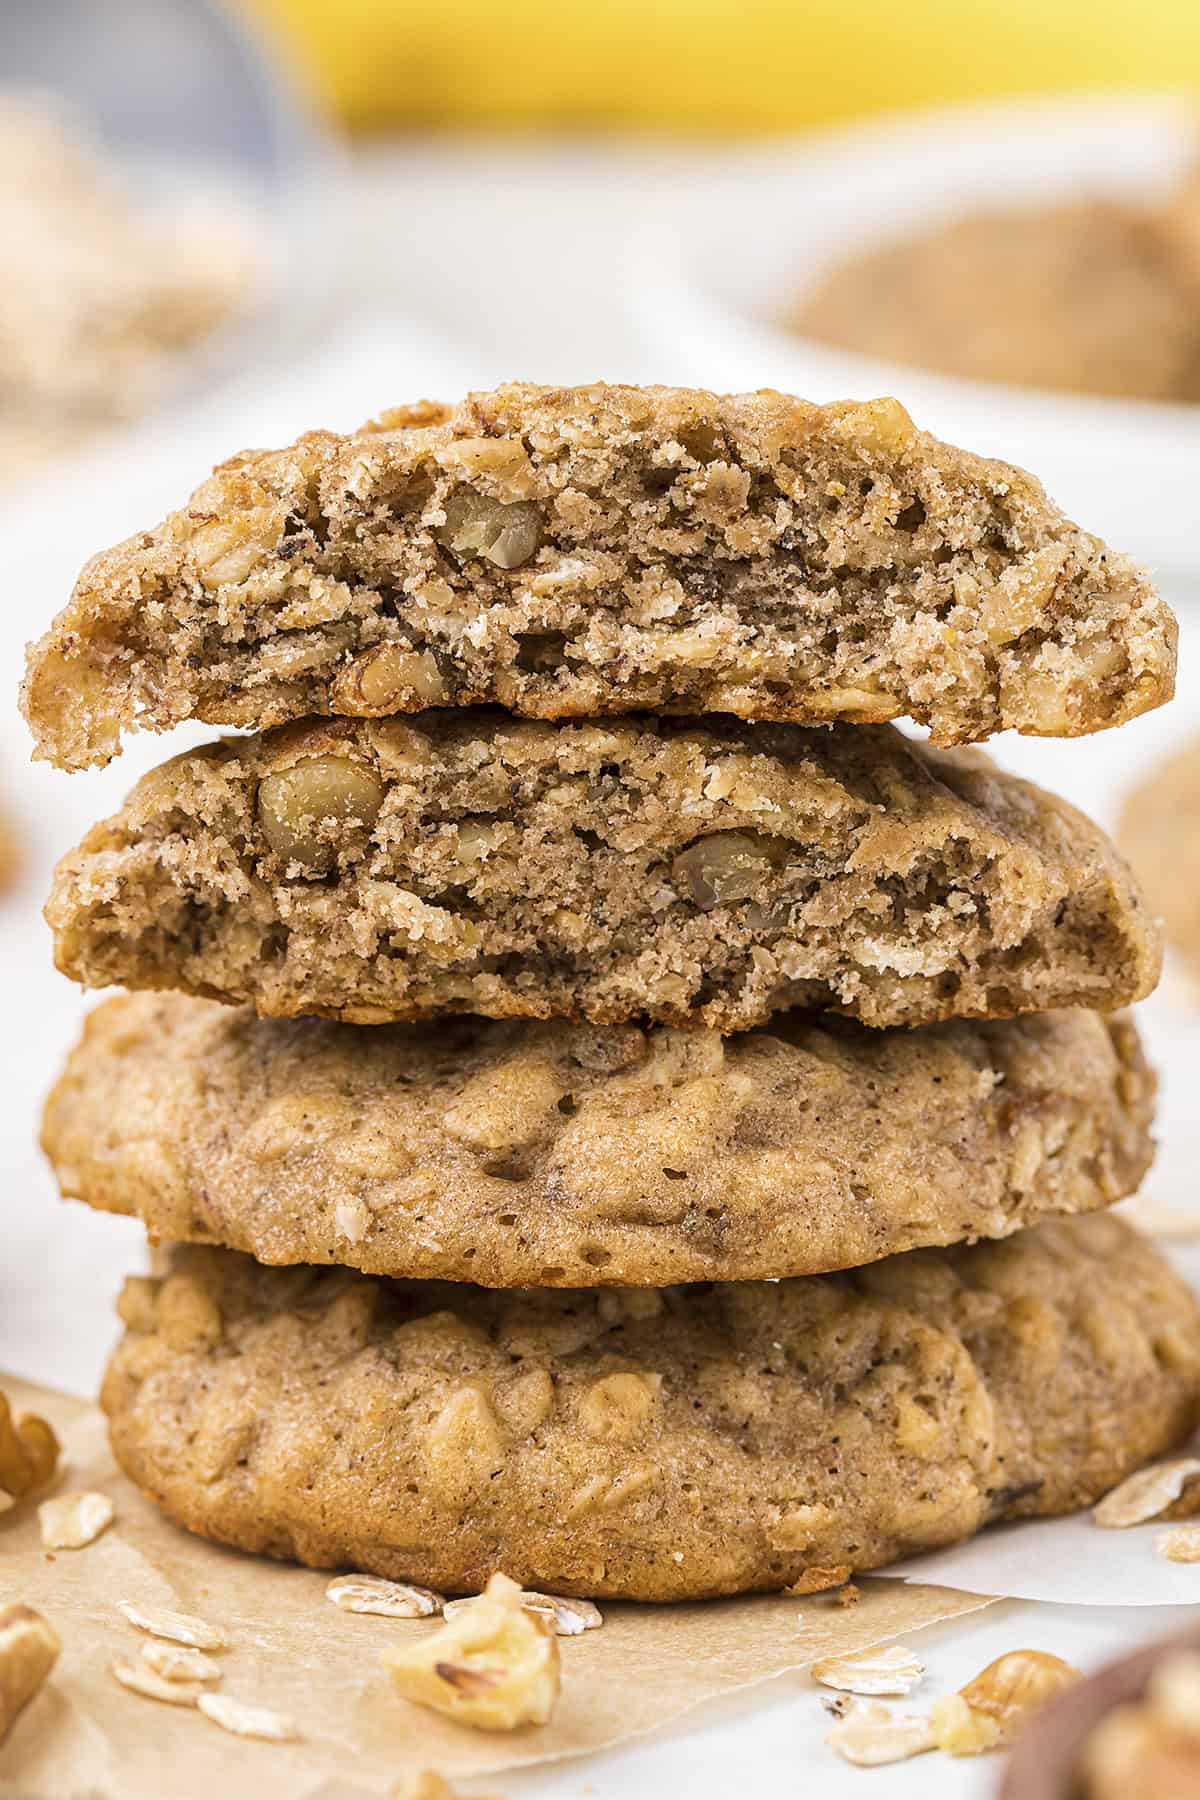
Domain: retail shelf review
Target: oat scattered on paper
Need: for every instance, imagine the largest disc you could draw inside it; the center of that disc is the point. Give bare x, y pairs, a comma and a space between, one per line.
881, 1669
1151, 1493
178, 1628
247, 1721
390, 1599
140, 1679
870, 1735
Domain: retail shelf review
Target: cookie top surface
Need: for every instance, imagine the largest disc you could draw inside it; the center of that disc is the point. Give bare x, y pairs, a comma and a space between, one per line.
571, 552
1160, 833
706, 873
546, 1154
652, 1444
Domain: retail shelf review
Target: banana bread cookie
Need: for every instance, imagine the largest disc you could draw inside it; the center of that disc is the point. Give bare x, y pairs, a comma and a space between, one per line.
568, 552
1160, 833
651, 1444
1090, 296
523, 1154
707, 873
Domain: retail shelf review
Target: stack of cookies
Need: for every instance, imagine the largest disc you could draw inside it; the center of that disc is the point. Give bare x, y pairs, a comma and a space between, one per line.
623, 1113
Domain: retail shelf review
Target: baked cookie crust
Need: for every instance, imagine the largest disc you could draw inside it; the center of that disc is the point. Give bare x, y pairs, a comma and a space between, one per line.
651, 1444
571, 552
706, 874
523, 1154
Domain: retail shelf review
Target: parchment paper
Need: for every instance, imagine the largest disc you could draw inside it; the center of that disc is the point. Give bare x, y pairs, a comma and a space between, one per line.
294, 1652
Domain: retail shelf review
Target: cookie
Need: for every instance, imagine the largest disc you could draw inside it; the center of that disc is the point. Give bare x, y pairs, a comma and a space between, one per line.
706, 874
523, 1154
568, 552
1160, 833
651, 1444
1089, 296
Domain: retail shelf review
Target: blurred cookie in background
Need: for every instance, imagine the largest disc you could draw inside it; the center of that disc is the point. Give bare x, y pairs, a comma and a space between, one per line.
1160, 834
109, 276
1094, 295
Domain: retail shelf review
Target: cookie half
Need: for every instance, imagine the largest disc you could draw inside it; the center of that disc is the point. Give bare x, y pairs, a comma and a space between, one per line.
567, 552
652, 1444
527, 1154
707, 874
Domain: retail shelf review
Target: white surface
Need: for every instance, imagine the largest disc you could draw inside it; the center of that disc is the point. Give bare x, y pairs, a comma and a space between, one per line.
772, 220
547, 295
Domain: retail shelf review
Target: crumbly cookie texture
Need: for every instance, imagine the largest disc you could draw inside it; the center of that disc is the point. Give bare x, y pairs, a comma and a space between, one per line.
1093, 296
545, 1154
1160, 833
705, 874
652, 1444
567, 552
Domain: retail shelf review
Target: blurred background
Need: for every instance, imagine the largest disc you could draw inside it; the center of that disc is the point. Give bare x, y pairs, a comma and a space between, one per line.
224, 224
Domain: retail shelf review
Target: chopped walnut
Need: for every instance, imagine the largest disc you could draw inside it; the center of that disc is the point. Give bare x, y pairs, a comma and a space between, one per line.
959, 1729
493, 1666
504, 534
1181, 1545
29, 1453
1168, 1489
1016, 1685
298, 804
726, 866
70, 1521
29, 1647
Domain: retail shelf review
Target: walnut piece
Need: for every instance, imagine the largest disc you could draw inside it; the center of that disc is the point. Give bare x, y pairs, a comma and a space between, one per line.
29, 1647
1016, 1685
390, 1599
388, 678
961, 1731
1168, 1489
883, 1669
29, 1453
176, 1627
297, 804
493, 1666
726, 866
70, 1521
504, 534
1180, 1545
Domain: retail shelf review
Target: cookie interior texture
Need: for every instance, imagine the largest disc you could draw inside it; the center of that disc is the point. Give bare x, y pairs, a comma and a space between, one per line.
567, 552
1160, 833
652, 1444
1093, 296
707, 873
524, 1153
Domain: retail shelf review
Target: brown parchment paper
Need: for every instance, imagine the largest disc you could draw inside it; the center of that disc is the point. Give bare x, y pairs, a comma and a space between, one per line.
291, 1650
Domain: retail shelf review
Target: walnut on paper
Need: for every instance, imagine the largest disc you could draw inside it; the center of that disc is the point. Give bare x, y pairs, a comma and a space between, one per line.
493, 1665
